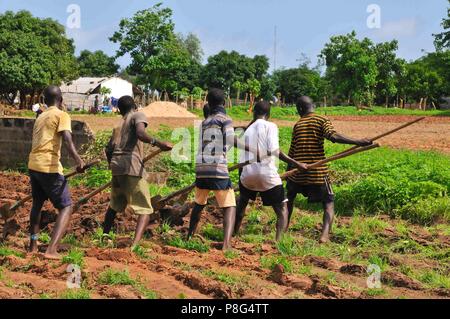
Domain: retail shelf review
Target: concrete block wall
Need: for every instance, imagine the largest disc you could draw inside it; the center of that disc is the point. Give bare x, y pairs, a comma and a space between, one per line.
15, 141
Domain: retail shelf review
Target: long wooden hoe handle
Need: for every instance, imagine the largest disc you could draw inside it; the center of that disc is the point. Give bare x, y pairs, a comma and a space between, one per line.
332, 158
385, 134
7, 212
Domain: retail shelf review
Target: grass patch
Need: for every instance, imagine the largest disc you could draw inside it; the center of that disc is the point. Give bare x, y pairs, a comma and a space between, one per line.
269, 262
70, 239
103, 240
212, 232
231, 254
4, 251
116, 277
192, 244
434, 279
75, 294
374, 292
44, 238
74, 256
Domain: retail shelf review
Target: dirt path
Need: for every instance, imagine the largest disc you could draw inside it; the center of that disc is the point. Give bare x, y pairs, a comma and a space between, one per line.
433, 133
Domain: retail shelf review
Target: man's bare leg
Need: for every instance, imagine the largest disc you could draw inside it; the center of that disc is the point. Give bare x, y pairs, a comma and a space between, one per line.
328, 216
229, 219
282, 219
35, 221
195, 218
290, 208
240, 213
110, 216
58, 232
140, 228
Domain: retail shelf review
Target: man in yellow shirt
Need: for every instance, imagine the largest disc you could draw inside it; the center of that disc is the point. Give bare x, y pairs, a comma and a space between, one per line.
46, 172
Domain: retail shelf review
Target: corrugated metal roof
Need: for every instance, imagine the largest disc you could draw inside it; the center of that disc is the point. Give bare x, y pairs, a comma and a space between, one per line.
82, 85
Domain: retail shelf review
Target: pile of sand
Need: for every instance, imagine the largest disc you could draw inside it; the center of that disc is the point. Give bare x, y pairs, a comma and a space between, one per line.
166, 109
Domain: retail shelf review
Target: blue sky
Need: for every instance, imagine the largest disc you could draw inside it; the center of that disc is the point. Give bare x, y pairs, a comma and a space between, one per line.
248, 25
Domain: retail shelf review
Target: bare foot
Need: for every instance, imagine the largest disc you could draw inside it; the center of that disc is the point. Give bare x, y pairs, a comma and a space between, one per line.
324, 239
52, 256
226, 247
33, 248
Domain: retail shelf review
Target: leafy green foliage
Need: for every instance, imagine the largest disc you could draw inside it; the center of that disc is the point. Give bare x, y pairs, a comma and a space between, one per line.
192, 244
4, 251
29, 48
75, 294
213, 233
115, 277
270, 262
96, 64
74, 256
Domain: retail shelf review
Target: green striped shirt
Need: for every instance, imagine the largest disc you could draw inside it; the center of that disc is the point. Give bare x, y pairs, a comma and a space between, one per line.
307, 147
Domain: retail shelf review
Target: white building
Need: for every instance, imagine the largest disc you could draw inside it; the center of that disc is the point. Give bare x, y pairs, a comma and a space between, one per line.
80, 94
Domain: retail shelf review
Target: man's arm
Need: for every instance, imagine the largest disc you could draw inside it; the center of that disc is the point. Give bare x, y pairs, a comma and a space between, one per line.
67, 137
290, 161
342, 139
144, 137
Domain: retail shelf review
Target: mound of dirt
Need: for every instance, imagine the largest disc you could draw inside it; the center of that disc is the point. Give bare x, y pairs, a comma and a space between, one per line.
166, 109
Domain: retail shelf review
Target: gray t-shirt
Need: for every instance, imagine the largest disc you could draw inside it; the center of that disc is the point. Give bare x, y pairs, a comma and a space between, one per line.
127, 149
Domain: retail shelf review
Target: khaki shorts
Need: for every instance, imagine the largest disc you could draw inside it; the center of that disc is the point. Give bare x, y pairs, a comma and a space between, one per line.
132, 191
225, 198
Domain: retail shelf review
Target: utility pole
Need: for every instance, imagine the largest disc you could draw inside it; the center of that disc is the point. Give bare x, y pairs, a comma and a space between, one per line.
275, 49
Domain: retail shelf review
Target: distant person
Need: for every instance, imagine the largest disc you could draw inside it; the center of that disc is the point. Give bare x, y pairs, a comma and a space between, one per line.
216, 137
46, 172
307, 146
38, 108
262, 177
97, 104
125, 154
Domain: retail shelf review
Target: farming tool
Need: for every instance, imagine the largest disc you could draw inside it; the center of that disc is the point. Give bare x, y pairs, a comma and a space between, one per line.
84, 199
7, 210
332, 158
384, 134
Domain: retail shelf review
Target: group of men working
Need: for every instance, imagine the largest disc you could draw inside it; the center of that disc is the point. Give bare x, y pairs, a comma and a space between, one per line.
125, 154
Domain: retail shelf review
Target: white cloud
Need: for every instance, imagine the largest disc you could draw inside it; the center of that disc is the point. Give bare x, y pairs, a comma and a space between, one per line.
401, 28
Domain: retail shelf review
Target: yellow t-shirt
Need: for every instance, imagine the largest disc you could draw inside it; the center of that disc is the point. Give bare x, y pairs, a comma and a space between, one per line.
46, 148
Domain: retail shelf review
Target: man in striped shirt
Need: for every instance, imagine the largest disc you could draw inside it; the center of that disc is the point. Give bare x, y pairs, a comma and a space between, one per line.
211, 167
307, 146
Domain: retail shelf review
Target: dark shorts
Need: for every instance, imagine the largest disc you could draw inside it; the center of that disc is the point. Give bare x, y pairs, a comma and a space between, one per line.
315, 193
213, 183
52, 186
271, 197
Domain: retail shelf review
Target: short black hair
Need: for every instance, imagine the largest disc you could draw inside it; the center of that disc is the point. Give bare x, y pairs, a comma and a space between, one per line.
206, 110
126, 104
52, 95
262, 108
215, 97
304, 102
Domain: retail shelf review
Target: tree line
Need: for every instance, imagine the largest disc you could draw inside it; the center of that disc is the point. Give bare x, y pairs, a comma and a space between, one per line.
35, 52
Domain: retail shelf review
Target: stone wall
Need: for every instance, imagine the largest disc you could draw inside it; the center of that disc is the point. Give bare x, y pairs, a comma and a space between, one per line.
15, 140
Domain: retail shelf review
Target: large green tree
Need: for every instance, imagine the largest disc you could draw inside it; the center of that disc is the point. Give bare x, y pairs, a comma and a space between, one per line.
157, 56
96, 64
34, 53
193, 45
226, 68
351, 67
388, 67
292, 83
442, 40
